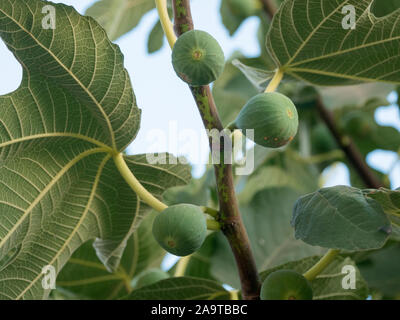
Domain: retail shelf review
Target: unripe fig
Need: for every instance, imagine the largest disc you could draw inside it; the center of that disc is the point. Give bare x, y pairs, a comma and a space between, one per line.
197, 58
273, 117
151, 276
358, 123
180, 229
244, 8
322, 139
286, 285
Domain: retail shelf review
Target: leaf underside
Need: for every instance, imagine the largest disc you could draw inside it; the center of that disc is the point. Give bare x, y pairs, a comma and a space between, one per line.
59, 187
307, 41
340, 217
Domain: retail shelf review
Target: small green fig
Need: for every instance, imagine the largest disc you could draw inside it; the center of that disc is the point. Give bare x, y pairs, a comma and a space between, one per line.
197, 58
358, 123
322, 140
180, 229
151, 276
286, 285
273, 117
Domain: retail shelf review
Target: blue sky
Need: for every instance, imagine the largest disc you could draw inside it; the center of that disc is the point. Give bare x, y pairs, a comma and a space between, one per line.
165, 99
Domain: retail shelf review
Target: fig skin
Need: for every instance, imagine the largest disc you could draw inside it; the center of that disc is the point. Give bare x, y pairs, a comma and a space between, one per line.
358, 123
197, 58
151, 276
286, 285
273, 117
180, 229
322, 140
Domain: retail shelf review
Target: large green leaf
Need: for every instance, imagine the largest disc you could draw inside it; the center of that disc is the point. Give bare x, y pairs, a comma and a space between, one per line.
119, 16
390, 203
388, 199
85, 275
328, 284
381, 270
267, 220
307, 41
182, 288
341, 218
382, 8
59, 188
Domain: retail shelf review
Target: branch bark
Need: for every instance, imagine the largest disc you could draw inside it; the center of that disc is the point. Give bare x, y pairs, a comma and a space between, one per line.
229, 216
345, 143
269, 7
349, 148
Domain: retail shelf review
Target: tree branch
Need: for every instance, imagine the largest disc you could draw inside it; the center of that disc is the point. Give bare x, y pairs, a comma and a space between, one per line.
345, 143
229, 216
269, 8
349, 148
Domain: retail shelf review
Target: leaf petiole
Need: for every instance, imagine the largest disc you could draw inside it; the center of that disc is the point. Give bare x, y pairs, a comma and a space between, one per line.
212, 212
181, 266
320, 266
166, 22
213, 225
136, 186
275, 81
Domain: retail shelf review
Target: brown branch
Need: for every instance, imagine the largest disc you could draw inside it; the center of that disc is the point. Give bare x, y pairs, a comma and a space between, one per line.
345, 143
269, 8
349, 148
229, 215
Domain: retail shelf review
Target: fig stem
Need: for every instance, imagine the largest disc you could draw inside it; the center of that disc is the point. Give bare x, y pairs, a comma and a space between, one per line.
275, 81
212, 212
234, 294
136, 186
181, 266
166, 22
213, 225
231, 126
229, 217
320, 266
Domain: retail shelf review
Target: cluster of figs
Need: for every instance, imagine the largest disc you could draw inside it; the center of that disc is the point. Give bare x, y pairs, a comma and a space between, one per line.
181, 229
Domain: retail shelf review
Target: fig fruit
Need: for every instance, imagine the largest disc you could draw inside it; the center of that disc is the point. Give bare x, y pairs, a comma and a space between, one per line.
322, 139
180, 229
151, 276
197, 58
286, 285
358, 123
273, 117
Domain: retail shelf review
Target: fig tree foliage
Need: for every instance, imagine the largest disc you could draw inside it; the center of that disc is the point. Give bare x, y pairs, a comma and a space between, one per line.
75, 205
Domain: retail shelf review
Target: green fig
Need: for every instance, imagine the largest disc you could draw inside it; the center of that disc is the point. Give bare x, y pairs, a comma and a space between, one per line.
322, 139
151, 276
286, 285
180, 229
273, 117
358, 123
197, 58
